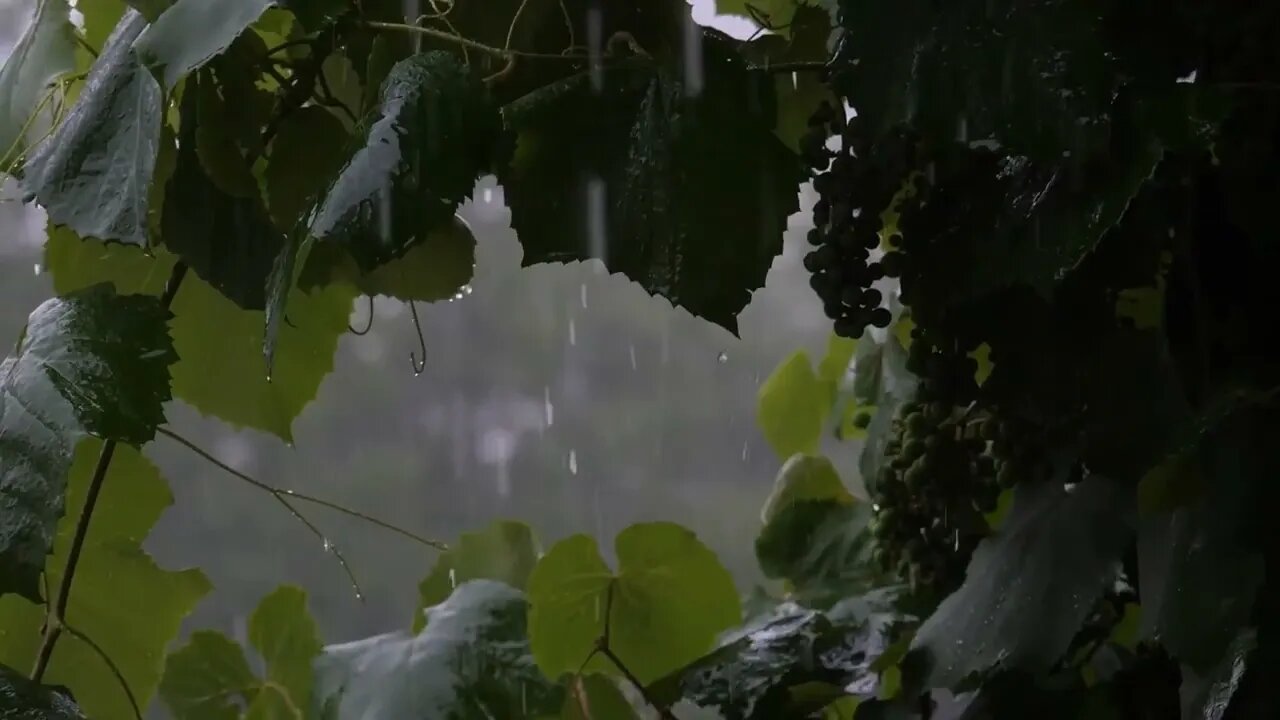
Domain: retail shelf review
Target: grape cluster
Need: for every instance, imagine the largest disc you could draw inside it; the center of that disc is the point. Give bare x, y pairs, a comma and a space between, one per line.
855, 186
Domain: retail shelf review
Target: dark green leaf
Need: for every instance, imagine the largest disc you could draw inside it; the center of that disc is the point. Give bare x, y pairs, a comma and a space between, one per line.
192, 32
220, 157
44, 53
669, 177
668, 600
113, 566
420, 160
313, 14
207, 679
806, 39
1029, 587
95, 363
307, 150
822, 547
596, 697
246, 105
21, 699
472, 660
505, 551
284, 634
228, 240
93, 174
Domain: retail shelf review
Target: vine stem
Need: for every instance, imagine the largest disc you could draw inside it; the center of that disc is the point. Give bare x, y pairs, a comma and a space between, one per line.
602, 647
290, 494
468, 43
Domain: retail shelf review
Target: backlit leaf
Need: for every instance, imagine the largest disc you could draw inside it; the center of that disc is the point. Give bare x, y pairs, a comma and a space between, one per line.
192, 32
505, 551
44, 53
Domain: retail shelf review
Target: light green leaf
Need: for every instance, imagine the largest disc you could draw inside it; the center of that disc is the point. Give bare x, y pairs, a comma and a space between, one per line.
95, 363
664, 607
471, 661
207, 679
44, 53
285, 635
21, 699
792, 407
1030, 586
805, 477
93, 173
822, 548
420, 160
596, 697
100, 18
505, 551
121, 599
835, 363
192, 32
307, 151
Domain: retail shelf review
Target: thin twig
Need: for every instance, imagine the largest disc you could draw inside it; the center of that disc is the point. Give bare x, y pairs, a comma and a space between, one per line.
602, 647
418, 365
330, 99
468, 43
794, 66
285, 45
515, 20
115, 670
568, 23
282, 492
85, 44
368, 324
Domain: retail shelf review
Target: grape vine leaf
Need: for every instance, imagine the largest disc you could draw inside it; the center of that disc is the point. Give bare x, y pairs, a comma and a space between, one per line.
805, 40
22, 699
792, 406
663, 607
227, 239
669, 177
191, 32
285, 635
220, 373
93, 173
596, 697
472, 660
505, 551
804, 477
313, 14
44, 53
822, 548
112, 566
207, 679
420, 159
98, 20
95, 363
1030, 586
308, 149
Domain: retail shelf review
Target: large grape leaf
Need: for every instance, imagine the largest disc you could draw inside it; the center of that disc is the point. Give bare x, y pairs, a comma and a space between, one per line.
94, 363
663, 607
435, 135
505, 551
804, 40
472, 660
285, 636
792, 406
121, 599
208, 679
93, 173
45, 52
1031, 585
21, 699
221, 373
227, 239
191, 32
669, 176
308, 149
822, 548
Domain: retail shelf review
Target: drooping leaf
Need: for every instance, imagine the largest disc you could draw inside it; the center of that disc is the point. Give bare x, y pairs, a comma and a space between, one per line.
121, 599
191, 32
1031, 585
93, 173
505, 551
207, 679
221, 373
246, 100
95, 363
44, 53
804, 40
420, 160
792, 407
822, 548
595, 697
227, 239
22, 699
284, 634
804, 478
472, 660
669, 177
307, 150
664, 606
279, 287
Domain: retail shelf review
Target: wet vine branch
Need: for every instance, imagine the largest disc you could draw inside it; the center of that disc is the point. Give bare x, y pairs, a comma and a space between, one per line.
602, 647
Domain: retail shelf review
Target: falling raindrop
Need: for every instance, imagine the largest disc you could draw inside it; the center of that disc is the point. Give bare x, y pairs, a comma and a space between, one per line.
573, 462
597, 196
746, 451
453, 578
1188, 79
1070, 487
723, 357
694, 74
548, 409
268, 378
795, 81
595, 47
582, 293
573, 333
467, 289
328, 546
38, 268
875, 507
359, 595
632, 350
487, 195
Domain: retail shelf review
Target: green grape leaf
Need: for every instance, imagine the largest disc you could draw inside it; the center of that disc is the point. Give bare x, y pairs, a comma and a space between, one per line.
840, 353
44, 53
434, 269
596, 697
284, 634
821, 547
22, 699
378, 67
279, 287
419, 161
221, 373
228, 240
245, 104
663, 608
799, 94
792, 406
94, 363
93, 173
192, 32
207, 679
307, 151
805, 478
505, 551
344, 88
113, 566
313, 14
472, 660
1030, 586
99, 19
666, 182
